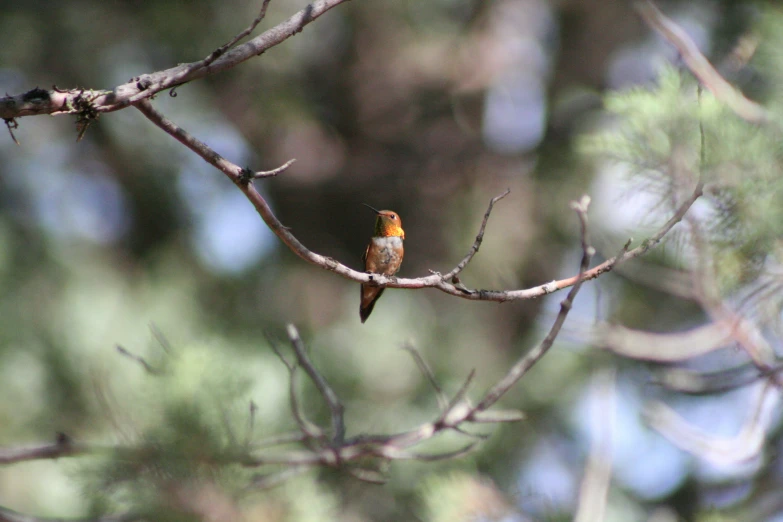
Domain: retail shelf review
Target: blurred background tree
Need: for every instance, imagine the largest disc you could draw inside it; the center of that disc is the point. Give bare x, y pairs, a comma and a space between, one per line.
430, 109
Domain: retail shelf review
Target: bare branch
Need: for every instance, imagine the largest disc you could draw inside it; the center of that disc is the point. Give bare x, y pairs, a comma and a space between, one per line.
312, 431
663, 347
497, 416
9, 515
199, 147
161, 338
335, 406
456, 413
436, 280
643, 248
276, 349
746, 445
273, 172
405, 455
251, 422
139, 359
368, 475
707, 292
220, 51
443, 401
700, 66
479, 238
308, 429
72, 101
525, 363
62, 447
699, 383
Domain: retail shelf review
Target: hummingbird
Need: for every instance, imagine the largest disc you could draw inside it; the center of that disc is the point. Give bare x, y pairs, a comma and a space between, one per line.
383, 256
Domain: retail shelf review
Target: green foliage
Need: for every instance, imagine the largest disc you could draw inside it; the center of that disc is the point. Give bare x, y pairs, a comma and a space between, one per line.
650, 125
379, 102
668, 135
195, 434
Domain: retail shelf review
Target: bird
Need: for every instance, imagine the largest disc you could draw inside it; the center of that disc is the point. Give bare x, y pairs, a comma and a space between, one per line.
382, 256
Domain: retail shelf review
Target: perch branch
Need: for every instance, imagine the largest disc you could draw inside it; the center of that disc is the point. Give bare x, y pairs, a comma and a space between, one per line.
338, 451
444, 283
457, 413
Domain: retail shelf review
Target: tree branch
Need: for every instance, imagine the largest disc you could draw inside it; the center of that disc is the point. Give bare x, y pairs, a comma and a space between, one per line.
532, 357
338, 451
9, 515
698, 64
62, 447
477, 243
220, 51
79, 101
240, 177
457, 412
335, 406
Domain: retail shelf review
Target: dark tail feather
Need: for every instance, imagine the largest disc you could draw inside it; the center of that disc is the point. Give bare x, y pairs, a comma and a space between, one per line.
366, 309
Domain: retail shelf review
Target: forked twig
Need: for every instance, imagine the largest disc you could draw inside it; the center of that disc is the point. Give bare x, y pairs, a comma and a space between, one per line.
220, 51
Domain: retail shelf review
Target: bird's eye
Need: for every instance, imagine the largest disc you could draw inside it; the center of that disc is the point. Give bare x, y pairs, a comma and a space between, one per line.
393, 216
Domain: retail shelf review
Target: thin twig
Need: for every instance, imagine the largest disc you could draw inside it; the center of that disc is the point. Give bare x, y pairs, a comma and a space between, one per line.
309, 430
335, 406
161, 338
220, 51
275, 171
525, 363
431, 457
276, 349
479, 238
251, 422
368, 475
443, 401
312, 431
707, 292
139, 359
456, 401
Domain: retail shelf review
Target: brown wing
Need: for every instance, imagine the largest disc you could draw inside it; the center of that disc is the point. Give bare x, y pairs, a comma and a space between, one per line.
369, 294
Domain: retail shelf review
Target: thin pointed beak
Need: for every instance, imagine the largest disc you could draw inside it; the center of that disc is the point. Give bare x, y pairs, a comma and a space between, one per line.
371, 208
